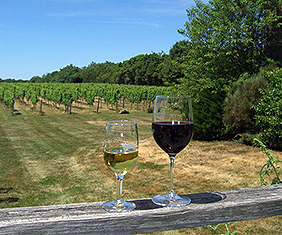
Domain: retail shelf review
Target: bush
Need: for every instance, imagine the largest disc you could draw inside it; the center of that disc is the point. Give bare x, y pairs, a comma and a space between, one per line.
268, 111
207, 111
238, 114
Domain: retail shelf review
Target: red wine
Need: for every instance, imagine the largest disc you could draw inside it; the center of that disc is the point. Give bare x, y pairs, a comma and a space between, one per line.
172, 137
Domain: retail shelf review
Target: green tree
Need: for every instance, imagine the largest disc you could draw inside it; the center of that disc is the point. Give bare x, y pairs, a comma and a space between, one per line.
272, 28
226, 38
50, 77
68, 74
175, 64
36, 79
99, 72
142, 69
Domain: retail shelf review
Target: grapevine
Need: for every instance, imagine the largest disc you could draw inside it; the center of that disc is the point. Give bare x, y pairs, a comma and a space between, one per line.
65, 94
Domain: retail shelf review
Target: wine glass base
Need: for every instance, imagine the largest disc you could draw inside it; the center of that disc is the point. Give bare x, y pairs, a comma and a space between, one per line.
167, 200
121, 206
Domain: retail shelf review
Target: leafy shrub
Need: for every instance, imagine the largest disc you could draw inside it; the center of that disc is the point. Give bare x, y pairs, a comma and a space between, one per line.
207, 111
268, 111
238, 115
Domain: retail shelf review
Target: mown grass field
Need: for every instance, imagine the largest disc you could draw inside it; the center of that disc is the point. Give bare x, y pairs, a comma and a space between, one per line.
56, 158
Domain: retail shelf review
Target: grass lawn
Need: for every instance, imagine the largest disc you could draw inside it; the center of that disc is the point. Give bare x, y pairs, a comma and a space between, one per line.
56, 158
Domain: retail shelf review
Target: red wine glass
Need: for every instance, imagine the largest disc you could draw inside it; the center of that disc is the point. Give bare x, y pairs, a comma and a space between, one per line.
172, 130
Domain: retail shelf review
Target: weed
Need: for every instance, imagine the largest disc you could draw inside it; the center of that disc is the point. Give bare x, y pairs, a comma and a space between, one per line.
270, 168
217, 230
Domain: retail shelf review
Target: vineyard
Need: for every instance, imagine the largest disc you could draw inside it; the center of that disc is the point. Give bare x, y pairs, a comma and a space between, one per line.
69, 94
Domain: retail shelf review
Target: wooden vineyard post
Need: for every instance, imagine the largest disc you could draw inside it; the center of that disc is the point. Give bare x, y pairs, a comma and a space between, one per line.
98, 104
40, 109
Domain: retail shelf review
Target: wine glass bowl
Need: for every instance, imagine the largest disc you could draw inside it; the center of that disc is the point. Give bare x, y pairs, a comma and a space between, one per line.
172, 130
120, 155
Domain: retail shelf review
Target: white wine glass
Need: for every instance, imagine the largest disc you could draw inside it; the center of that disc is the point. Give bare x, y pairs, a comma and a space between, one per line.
120, 154
172, 130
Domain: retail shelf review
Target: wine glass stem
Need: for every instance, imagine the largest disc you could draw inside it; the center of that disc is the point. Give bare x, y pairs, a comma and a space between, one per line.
119, 189
171, 172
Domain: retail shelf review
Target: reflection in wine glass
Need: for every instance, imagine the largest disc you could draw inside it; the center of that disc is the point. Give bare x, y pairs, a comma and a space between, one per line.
172, 130
120, 154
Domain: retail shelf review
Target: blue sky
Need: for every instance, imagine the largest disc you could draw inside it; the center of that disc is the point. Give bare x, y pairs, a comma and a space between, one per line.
41, 36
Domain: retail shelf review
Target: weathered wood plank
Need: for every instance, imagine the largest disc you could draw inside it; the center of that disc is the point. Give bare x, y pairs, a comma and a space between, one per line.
89, 218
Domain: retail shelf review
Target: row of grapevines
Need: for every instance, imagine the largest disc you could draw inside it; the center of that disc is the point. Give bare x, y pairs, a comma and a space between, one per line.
7, 95
67, 93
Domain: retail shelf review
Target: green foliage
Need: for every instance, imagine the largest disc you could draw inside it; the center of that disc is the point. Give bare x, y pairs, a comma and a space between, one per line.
207, 111
272, 28
20, 92
99, 73
216, 229
254, 106
144, 69
67, 93
68, 74
269, 172
170, 71
7, 95
268, 111
226, 39
238, 116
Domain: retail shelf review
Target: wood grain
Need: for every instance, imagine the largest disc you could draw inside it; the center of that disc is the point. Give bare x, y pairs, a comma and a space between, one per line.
89, 218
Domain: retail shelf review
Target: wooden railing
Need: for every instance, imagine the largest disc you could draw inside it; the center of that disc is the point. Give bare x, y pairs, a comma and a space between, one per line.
88, 218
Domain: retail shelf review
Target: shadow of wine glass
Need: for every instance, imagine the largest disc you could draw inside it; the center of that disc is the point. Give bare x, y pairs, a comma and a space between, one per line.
7, 199
196, 198
205, 198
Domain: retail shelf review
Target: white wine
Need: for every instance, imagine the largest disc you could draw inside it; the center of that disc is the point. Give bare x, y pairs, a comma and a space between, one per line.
120, 154
120, 161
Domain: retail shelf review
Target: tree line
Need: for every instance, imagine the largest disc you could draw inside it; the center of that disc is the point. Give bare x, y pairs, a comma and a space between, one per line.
154, 69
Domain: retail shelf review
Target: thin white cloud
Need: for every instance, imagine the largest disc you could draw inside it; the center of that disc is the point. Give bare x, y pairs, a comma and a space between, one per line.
172, 3
163, 11
126, 21
166, 7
